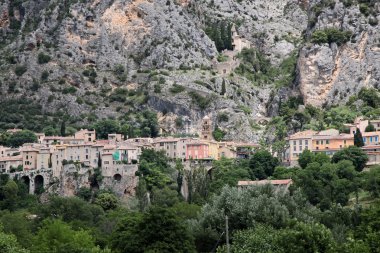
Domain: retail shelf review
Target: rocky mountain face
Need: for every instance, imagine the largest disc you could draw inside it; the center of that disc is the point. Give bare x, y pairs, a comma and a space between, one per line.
105, 58
329, 74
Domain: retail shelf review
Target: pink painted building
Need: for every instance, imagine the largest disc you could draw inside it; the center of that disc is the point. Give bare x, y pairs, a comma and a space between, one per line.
197, 150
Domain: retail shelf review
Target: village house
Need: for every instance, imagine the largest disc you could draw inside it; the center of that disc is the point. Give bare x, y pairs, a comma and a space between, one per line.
197, 150
86, 135
115, 137
8, 163
330, 141
298, 142
371, 138
226, 150
376, 124
373, 153
359, 123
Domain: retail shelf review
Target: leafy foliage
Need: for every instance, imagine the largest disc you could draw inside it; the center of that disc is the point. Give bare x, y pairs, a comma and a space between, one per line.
145, 233
331, 35
353, 154
262, 164
220, 33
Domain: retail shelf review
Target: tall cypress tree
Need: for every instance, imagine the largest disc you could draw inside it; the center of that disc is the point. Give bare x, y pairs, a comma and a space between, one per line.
358, 138
63, 128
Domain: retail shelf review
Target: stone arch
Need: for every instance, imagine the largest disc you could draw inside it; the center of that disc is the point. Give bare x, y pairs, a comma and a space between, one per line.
117, 177
26, 180
38, 184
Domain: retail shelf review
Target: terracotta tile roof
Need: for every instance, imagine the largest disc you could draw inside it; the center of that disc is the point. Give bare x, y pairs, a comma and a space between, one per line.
303, 134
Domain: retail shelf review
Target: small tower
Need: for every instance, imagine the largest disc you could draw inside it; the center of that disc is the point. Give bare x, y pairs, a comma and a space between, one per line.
206, 133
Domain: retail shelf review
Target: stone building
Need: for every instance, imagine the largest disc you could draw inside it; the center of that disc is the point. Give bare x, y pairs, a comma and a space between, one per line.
206, 128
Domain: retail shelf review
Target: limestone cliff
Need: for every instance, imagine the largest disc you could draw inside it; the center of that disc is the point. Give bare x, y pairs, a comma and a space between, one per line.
330, 74
72, 57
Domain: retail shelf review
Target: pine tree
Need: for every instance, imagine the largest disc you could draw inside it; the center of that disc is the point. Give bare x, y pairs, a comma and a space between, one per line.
358, 138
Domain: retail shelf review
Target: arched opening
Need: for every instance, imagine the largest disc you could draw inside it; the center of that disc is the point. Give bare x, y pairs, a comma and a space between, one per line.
117, 177
38, 184
26, 184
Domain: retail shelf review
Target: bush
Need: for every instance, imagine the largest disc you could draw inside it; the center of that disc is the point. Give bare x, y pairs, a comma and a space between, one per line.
44, 75
331, 35
69, 90
218, 134
223, 117
20, 70
119, 95
373, 21
364, 9
176, 88
120, 72
43, 58
202, 102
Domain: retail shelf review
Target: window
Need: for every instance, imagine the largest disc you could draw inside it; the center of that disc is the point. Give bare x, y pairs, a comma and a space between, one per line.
300, 148
317, 142
294, 148
86, 156
106, 162
294, 143
300, 142
161, 144
327, 141
376, 138
345, 142
321, 142
370, 139
306, 142
364, 139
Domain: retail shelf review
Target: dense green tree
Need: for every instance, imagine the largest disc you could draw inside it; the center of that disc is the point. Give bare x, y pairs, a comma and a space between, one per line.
164, 197
9, 244
370, 128
218, 134
262, 164
149, 124
8, 195
305, 158
303, 237
354, 154
145, 233
84, 193
18, 224
372, 181
197, 183
19, 138
358, 138
55, 236
73, 210
154, 168
281, 172
107, 201
256, 204
228, 172
327, 183
105, 127
370, 97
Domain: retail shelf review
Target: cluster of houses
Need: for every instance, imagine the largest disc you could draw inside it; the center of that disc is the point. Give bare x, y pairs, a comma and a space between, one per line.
54, 152
330, 141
